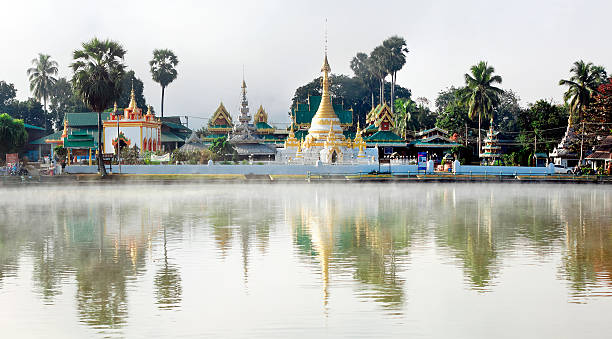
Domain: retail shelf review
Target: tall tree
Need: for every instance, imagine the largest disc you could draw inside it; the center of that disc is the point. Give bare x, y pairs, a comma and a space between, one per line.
13, 134
98, 71
480, 95
163, 70
64, 99
361, 69
378, 63
584, 80
127, 82
7, 95
42, 78
397, 59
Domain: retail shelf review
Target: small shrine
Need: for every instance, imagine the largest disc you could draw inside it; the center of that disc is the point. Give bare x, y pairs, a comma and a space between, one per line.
491, 151
131, 129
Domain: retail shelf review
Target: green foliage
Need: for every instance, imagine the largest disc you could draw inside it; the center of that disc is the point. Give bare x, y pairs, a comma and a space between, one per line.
60, 153
13, 134
98, 71
584, 81
410, 116
130, 156
223, 149
193, 157
163, 70
7, 95
127, 81
480, 95
64, 99
545, 121
462, 153
30, 111
349, 91
163, 66
42, 78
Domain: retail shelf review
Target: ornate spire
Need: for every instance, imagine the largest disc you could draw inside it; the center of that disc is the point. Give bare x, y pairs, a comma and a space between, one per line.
133, 105
149, 111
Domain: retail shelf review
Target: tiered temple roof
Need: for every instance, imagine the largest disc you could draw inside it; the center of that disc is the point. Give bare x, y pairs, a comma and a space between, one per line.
220, 124
380, 123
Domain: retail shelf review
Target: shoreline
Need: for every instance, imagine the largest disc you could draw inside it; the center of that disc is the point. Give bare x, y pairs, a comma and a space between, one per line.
297, 178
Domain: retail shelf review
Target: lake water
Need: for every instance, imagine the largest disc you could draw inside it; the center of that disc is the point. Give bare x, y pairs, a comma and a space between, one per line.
306, 260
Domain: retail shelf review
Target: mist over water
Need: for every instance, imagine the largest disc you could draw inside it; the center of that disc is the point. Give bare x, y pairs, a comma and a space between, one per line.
306, 260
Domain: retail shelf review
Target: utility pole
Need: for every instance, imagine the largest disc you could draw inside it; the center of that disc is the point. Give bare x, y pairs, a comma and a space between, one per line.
581, 143
187, 121
466, 141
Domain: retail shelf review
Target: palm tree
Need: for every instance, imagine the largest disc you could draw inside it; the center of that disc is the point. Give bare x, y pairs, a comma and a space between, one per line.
378, 64
360, 66
584, 81
397, 59
98, 70
42, 78
480, 95
163, 71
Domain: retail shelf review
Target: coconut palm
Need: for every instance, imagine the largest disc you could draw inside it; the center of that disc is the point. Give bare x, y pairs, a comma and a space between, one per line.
480, 95
42, 78
397, 59
98, 70
163, 70
584, 81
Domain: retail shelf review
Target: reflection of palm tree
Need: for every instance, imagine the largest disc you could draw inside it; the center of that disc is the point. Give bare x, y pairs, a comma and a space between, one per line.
168, 283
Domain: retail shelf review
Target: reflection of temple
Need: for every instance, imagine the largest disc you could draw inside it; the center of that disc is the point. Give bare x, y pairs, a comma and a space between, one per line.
326, 140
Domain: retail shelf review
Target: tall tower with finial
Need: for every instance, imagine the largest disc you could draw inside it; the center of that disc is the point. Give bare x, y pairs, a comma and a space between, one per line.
325, 119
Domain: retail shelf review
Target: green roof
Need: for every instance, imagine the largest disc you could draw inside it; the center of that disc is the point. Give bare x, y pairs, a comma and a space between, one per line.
52, 136
304, 112
384, 136
170, 137
263, 125
85, 119
28, 126
173, 125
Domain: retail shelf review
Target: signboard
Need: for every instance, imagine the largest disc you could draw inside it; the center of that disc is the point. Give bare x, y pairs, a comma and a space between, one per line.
384, 161
12, 158
160, 158
422, 161
388, 150
107, 158
79, 152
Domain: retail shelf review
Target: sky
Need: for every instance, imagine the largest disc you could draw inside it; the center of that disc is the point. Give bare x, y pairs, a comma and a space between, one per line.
532, 44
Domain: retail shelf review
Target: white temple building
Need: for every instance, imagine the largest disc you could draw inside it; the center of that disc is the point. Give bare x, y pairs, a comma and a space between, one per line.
325, 141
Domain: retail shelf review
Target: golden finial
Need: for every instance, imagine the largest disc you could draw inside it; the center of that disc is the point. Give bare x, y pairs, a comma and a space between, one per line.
149, 110
115, 108
132, 98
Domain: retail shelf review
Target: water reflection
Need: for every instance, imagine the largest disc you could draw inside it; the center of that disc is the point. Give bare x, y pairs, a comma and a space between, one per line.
358, 238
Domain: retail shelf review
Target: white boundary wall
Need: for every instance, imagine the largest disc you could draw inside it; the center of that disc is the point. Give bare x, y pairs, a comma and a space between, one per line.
502, 170
284, 169
249, 169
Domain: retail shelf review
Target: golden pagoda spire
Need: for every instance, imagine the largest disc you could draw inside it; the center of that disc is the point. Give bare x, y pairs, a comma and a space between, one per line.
132, 98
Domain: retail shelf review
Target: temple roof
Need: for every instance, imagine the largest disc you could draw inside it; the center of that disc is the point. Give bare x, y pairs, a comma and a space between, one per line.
384, 136
221, 120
